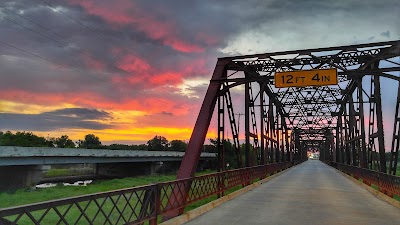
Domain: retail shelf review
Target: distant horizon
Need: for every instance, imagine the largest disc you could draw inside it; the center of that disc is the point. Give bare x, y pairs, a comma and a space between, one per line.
125, 142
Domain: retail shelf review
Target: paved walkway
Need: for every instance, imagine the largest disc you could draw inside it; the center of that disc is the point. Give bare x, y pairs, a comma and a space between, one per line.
311, 193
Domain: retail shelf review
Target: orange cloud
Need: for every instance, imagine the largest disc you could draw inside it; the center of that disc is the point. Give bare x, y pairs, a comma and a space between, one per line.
148, 104
134, 135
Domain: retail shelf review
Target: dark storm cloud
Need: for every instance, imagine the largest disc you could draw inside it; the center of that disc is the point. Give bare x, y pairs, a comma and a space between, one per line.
386, 34
59, 119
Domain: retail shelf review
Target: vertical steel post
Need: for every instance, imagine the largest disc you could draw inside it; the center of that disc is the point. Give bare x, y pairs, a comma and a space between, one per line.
271, 130
284, 136
394, 151
262, 146
371, 122
278, 146
247, 122
299, 155
363, 155
353, 129
326, 146
268, 134
287, 144
339, 138
221, 133
379, 118
336, 153
347, 136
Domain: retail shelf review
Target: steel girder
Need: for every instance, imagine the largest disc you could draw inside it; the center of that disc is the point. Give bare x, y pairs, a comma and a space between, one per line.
289, 119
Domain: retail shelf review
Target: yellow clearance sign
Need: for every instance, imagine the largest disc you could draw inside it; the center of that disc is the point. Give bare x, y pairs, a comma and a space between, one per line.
304, 78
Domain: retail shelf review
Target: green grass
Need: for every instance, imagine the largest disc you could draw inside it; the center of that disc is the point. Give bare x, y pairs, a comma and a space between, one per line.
375, 187
65, 172
26, 196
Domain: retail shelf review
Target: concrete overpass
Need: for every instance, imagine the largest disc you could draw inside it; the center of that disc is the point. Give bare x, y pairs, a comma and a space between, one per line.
15, 156
23, 166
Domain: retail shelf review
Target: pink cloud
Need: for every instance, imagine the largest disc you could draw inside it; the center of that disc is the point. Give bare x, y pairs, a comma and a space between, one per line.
148, 80
126, 13
132, 63
166, 78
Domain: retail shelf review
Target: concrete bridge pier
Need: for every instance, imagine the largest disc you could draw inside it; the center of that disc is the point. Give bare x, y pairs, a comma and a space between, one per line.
13, 177
205, 164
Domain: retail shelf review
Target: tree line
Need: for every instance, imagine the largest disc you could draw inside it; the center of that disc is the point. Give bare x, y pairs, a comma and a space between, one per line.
91, 141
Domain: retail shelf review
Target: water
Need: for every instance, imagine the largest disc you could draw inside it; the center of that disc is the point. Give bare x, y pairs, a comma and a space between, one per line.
77, 183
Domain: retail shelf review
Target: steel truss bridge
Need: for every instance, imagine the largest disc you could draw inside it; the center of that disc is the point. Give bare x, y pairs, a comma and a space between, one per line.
346, 118
355, 125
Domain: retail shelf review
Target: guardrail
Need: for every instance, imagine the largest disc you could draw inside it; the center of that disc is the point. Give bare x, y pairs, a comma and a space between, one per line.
385, 183
137, 205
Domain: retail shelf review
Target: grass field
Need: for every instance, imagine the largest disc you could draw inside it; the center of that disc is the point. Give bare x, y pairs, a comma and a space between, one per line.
27, 196
65, 172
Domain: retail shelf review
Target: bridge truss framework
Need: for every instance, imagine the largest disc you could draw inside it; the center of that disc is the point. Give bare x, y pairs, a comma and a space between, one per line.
345, 120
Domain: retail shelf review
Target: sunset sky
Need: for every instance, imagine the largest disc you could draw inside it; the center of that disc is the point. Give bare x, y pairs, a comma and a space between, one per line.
128, 70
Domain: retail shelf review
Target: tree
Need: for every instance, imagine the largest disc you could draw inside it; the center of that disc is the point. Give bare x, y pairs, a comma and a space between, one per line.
24, 139
177, 146
230, 153
210, 148
64, 142
91, 141
126, 147
158, 143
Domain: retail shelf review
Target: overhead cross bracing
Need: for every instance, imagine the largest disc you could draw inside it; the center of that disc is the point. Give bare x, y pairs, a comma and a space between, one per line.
314, 107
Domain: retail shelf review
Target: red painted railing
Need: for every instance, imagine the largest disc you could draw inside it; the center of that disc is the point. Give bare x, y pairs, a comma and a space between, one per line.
138, 205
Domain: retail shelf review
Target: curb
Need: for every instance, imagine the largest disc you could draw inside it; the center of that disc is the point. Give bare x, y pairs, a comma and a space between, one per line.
377, 193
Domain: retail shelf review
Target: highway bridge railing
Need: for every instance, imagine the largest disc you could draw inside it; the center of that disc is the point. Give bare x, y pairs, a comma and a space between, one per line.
137, 205
385, 183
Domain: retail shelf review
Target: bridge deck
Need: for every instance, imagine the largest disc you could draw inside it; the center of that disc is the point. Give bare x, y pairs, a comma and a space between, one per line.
311, 193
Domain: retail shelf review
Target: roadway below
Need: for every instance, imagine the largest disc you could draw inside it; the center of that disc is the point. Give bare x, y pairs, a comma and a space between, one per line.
310, 193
